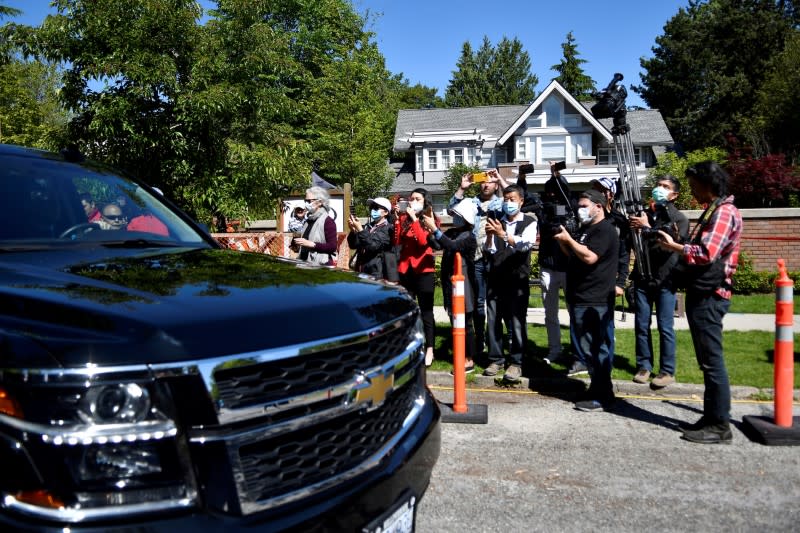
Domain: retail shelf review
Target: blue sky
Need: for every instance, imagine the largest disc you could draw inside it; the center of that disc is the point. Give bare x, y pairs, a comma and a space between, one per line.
423, 38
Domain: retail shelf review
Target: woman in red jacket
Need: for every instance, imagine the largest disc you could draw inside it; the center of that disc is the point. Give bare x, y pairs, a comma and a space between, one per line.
415, 263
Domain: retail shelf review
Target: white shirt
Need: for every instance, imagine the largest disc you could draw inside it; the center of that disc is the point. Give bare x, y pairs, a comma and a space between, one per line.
523, 242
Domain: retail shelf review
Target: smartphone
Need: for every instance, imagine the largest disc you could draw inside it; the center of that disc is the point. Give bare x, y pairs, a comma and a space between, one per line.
402, 205
479, 177
561, 165
429, 211
526, 168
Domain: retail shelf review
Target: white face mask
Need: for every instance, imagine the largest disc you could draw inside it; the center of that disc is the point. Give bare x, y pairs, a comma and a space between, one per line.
416, 206
584, 215
310, 206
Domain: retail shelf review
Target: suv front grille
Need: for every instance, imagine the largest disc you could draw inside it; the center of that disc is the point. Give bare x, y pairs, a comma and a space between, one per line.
312, 454
267, 382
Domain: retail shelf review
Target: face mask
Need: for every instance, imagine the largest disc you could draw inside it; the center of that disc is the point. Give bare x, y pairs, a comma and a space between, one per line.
660, 195
510, 208
416, 206
310, 207
584, 216
375, 214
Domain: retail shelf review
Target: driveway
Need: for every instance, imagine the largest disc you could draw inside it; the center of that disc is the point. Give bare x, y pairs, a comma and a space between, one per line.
540, 465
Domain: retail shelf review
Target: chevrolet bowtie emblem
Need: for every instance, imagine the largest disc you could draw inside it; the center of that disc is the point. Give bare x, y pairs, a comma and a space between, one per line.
373, 389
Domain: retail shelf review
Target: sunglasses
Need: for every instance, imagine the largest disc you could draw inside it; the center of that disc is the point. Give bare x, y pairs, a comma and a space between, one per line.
115, 218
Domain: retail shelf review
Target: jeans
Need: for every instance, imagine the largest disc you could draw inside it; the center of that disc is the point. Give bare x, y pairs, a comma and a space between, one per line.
507, 302
480, 305
590, 327
664, 299
704, 313
552, 280
577, 349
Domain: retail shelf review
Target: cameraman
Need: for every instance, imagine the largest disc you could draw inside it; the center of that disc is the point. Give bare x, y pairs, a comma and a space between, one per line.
656, 287
552, 260
591, 274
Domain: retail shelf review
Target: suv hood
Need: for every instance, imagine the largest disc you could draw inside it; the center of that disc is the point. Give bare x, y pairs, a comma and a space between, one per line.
166, 305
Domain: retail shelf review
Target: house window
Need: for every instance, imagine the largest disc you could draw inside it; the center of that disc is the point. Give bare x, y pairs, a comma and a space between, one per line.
432, 159
419, 159
522, 153
552, 109
458, 156
445, 158
472, 157
554, 148
608, 156
534, 122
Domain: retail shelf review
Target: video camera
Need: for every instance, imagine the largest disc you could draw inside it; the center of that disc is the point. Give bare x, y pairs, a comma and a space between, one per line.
556, 215
611, 102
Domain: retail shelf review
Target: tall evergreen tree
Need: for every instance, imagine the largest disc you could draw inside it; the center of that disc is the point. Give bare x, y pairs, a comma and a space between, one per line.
492, 76
570, 73
709, 64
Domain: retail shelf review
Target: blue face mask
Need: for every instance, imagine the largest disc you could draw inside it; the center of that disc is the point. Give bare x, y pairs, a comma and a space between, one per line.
510, 208
375, 214
660, 195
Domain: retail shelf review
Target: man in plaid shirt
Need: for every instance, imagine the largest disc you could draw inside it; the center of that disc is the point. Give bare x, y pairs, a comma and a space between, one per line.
711, 257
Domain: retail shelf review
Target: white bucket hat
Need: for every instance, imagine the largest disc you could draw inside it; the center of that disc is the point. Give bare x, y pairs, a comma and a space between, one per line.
467, 210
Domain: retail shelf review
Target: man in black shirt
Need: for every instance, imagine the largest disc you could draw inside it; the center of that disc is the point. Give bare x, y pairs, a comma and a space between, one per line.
591, 276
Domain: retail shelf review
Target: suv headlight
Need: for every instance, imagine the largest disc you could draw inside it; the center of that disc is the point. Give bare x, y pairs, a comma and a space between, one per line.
96, 442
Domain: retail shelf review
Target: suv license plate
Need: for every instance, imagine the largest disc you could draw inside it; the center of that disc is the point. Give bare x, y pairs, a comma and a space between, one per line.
398, 519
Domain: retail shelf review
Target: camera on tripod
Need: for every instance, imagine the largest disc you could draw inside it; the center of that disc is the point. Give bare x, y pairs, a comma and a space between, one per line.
611, 102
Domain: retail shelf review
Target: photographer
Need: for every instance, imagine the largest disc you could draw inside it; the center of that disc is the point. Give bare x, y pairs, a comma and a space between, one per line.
707, 264
556, 211
591, 272
655, 287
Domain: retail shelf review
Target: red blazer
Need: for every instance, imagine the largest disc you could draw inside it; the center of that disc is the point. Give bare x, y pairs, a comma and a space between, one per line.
416, 255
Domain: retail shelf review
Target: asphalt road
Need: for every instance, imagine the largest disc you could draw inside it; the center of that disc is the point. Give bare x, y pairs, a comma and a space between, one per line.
540, 465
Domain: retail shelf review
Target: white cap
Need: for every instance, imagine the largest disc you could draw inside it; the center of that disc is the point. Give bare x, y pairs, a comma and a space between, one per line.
467, 210
381, 201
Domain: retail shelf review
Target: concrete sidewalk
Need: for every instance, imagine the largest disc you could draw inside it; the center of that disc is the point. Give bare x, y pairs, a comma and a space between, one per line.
731, 322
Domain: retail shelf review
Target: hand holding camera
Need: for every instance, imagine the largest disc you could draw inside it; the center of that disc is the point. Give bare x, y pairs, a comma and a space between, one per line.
355, 225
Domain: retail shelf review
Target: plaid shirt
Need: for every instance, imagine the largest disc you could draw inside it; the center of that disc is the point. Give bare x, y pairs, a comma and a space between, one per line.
719, 239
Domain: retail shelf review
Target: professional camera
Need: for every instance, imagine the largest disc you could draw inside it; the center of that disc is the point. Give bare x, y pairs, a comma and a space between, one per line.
557, 215
611, 102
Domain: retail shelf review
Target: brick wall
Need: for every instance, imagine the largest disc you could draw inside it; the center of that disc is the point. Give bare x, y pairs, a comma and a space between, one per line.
769, 234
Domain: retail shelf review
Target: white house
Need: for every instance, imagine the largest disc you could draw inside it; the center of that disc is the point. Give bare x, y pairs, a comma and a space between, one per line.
554, 127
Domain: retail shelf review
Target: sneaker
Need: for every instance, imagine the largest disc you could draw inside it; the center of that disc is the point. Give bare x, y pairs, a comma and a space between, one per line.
589, 406
513, 373
642, 376
467, 370
661, 380
557, 359
711, 434
492, 369
577, 369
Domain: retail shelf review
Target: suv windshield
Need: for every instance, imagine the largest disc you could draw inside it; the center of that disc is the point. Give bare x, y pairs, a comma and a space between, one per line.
46, 200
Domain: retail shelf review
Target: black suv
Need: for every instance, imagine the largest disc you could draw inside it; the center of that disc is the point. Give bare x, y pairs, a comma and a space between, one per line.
152, 381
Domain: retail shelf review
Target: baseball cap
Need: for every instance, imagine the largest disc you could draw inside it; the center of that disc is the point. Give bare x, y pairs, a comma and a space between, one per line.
607, 183
382, 202
595, 196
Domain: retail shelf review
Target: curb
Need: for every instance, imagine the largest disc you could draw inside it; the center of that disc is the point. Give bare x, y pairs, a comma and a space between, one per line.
568, 385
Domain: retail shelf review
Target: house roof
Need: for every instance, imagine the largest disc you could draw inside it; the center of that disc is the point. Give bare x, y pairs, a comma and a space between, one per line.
488, 121
555, 86
647, 127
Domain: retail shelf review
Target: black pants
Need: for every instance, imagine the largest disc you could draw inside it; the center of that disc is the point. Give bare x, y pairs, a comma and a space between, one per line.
420, 286
507, 302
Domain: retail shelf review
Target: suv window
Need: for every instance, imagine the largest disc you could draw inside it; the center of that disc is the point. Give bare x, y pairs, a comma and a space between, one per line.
50, 200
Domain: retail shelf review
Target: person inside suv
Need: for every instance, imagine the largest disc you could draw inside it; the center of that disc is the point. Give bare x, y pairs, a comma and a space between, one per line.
112, 218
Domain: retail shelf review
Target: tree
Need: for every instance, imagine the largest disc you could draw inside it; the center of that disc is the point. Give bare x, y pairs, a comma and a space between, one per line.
765, 181
709, 63
492, 76
775, 121
417, 97
570, 73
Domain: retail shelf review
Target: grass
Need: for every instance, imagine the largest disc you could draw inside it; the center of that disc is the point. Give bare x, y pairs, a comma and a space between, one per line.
748, 356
